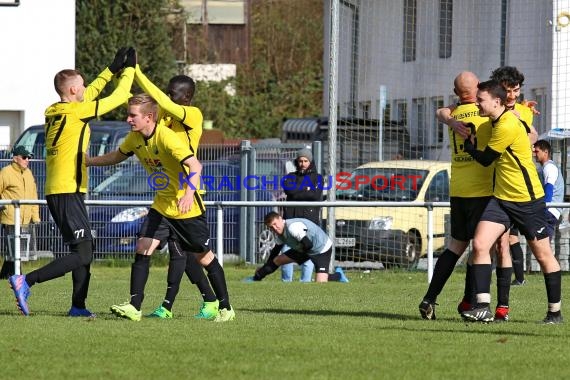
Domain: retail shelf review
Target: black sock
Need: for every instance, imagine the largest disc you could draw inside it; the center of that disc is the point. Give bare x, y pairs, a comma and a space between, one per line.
469, 291
518, 261
267, 268
553, 282
176, 267
218, 280
139, 275
196, 275
503, 285
482, 274
441, 272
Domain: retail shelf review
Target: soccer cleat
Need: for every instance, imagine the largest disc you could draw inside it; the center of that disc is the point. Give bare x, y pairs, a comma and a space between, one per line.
427, 309
478, 314
553, 318
161, 312
225, 315
343, 277
21, 291
127, 311
518, 283
208, 311
502, 314
464, 306
249, 279
77, 312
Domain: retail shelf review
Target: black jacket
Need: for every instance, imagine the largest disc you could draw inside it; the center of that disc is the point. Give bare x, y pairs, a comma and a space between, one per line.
303, 186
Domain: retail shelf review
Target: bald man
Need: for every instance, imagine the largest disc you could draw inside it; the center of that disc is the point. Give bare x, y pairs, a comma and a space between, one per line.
471, 187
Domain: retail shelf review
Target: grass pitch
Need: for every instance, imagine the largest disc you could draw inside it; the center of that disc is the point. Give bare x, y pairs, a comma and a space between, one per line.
369, 328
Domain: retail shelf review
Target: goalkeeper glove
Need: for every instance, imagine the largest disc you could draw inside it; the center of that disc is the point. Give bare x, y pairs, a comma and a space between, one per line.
119, 60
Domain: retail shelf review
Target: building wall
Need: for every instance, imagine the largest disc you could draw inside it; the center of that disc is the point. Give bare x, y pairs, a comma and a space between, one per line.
38, 39
370, 56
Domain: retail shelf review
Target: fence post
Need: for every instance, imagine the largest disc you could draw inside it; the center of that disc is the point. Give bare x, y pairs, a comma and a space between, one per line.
17, 258
220, 233
245, 148
430, 241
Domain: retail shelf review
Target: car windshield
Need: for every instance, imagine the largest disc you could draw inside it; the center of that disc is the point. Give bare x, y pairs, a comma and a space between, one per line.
385, 184
125, 182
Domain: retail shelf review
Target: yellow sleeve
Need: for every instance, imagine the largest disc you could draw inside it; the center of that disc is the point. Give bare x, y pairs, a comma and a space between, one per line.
94, 89
95, 108
161, 98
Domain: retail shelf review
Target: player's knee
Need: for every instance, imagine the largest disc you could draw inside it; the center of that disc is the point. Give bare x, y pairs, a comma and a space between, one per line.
84, 250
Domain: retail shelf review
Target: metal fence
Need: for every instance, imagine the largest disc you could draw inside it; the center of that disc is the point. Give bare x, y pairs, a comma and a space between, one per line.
560, 245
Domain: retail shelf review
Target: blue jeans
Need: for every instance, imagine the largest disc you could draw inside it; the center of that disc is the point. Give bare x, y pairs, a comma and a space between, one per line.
306, 271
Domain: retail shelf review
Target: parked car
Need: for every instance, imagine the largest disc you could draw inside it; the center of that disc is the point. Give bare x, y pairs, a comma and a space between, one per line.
116, 227
106, 136
393, 235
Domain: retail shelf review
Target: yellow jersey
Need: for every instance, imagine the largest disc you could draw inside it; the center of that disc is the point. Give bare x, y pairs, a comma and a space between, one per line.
516, 177
162, 154
67, 132
468, 178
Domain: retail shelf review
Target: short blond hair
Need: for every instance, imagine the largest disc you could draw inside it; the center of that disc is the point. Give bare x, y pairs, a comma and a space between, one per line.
146, 102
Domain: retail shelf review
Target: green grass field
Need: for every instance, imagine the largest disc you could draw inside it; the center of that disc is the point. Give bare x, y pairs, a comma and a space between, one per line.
367, 329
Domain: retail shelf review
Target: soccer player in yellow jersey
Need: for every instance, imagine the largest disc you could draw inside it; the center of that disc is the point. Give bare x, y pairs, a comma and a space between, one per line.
177, 207
177, 113
512, 80
518, 199
67, 138
471, 188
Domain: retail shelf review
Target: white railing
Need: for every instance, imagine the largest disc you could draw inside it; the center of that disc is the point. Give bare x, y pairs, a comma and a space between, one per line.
220, 210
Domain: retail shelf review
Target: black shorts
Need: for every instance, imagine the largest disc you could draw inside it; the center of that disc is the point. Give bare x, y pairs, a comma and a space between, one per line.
70, 215
192, 233
321, 261
465, 214
552, 223
528, 217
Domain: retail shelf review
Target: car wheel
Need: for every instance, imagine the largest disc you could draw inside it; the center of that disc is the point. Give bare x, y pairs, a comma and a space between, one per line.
265, 244
412, 249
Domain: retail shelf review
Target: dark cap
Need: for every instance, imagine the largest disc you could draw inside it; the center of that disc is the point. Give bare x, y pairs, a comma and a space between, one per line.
20, 150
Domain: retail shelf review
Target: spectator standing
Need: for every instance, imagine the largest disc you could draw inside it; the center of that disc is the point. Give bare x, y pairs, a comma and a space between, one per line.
302, 185
17, 182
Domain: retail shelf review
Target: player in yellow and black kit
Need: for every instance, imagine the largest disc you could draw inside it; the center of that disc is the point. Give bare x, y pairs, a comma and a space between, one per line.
512, 80
178, 207
185, 120
67, 138
518, 199
471, 187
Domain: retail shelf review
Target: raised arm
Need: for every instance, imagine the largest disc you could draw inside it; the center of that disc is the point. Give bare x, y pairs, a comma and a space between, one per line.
111, 158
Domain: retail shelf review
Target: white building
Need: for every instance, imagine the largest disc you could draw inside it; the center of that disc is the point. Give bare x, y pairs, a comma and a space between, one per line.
410, 50
38, 40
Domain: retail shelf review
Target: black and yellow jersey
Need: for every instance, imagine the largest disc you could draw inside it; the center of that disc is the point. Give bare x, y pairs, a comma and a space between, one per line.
162, 154
525, 115
67, 132
516, 177
468, 178
186, 121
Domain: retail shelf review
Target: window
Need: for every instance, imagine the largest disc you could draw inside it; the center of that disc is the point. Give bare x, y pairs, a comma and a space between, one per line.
410, 21
439, 127
438, 190
419, 121
445, 27
214, 11
401, 107
365, 110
